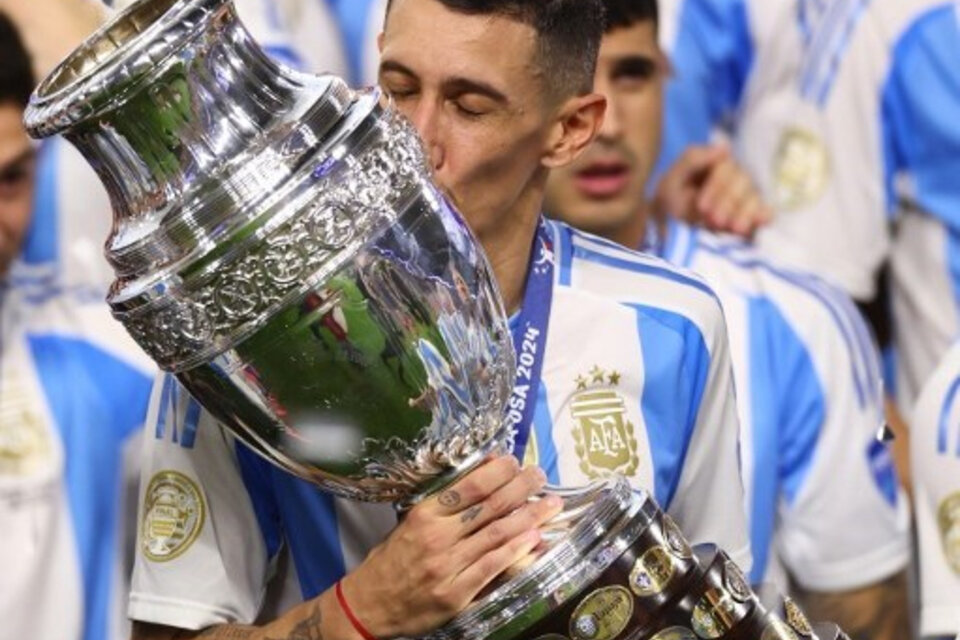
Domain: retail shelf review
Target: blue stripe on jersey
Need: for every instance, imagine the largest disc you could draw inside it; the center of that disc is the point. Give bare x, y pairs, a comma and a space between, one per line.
304, 515
312, 532
354, 18
190, 421
831, 300
788, 409
826, 51
41, 242
562, 244
953, 262
713, 57
676, 364
256, 474
943, 426
285, 55
97, 402
186, 434
637, 266
543, 432
921, 107
166, 403
883, 472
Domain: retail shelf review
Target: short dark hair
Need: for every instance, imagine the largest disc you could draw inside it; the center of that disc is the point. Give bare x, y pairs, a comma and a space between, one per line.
626, 13
16, 74
569, 34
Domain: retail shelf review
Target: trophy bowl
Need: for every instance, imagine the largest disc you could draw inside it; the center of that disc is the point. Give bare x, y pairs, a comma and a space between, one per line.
280, 248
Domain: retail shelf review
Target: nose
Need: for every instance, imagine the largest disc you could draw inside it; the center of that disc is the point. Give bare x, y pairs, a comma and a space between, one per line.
612, 123
425, 116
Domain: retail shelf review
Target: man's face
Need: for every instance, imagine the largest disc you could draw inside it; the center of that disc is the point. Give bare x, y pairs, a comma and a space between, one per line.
16, 182
606, 186
471, 86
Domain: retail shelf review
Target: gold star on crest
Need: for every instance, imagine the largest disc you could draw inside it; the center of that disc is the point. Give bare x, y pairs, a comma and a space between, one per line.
597, 374
614, 378
581, 383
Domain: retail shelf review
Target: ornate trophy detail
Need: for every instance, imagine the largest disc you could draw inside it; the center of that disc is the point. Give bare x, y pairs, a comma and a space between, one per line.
279, 246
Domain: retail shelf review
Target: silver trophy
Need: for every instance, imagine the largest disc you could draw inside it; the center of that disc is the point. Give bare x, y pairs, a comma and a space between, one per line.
280, 247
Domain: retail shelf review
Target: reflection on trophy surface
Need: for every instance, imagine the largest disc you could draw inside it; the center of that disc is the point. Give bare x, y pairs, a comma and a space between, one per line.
279, 246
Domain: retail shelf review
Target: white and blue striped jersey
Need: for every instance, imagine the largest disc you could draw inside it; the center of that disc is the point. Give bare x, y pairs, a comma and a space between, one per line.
73, 394
844, 112
361, 22
935, 451
823, 498
641, 342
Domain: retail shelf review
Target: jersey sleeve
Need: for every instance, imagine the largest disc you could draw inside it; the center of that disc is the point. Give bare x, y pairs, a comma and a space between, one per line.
201, 558
709, 500
844, 522
920, 104
935, 451
711, 55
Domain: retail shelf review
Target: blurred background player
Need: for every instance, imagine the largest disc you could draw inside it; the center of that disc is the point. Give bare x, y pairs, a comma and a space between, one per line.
936, 457
844, 112
823, 497
73, 389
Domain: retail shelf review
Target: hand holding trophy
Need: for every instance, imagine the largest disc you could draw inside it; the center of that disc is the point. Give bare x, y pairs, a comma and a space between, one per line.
279, 246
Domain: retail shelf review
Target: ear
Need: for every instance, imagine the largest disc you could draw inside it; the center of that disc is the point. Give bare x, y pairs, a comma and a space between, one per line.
577, 124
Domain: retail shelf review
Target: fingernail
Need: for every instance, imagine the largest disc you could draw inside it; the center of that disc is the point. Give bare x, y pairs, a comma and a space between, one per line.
554, 502
541, 476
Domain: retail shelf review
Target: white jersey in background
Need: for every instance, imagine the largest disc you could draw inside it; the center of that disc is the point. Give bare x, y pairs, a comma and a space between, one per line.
644, 339
935, 447
843, 111
822, 494
361, 22
73, 394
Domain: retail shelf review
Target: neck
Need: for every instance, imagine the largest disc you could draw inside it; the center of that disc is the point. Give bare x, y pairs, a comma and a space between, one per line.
508, 246
633, 231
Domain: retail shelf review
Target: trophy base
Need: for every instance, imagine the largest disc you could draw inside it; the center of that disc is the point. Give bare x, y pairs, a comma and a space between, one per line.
617, 568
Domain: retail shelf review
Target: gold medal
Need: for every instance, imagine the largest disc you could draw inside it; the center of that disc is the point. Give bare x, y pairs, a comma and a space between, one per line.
801, 169
948, 517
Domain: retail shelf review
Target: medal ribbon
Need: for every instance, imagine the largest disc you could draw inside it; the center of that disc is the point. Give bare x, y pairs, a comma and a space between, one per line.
530, 339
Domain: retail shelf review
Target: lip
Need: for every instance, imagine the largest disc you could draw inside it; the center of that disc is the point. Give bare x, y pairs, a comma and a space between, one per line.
603, 179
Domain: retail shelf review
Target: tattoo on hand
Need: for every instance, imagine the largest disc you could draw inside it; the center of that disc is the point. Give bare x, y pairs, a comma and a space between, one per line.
471, 514
449, 498
308, 629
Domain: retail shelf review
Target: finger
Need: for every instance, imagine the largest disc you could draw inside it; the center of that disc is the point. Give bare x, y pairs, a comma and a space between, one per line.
697, 159
735, 191
676, 199
474, 487
481, 573
715, 186
501, 531
504, 500
749, 216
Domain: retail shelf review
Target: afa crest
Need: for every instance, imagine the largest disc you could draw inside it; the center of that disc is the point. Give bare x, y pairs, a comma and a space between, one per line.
801, 169
605, 441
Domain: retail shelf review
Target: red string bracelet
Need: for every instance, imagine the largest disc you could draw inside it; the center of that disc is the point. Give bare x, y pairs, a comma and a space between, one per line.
362, 630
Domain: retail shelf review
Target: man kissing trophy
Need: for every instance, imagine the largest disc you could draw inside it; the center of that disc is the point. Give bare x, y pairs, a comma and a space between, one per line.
253, 204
